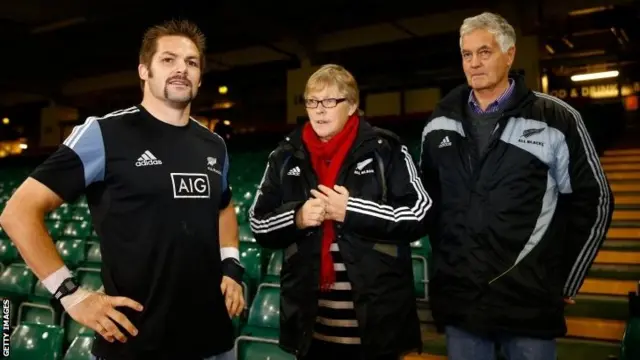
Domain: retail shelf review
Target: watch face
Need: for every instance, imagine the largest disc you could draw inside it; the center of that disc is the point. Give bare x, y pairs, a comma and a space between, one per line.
65, 288
69, 285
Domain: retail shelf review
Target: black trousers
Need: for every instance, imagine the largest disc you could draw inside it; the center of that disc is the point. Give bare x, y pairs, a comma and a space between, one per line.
322, 350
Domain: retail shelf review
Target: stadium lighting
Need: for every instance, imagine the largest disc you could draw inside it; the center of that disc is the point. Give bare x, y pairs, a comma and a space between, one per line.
595, 76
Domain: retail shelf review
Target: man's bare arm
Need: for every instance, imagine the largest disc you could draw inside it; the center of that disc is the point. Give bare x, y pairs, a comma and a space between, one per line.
228, 228
23, 220
231, 267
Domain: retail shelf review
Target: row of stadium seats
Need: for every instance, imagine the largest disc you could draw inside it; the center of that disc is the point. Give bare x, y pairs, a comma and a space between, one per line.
42, 330
74, 253
33, 313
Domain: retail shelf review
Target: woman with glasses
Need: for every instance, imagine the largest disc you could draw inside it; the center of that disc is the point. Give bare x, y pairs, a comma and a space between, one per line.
343, 201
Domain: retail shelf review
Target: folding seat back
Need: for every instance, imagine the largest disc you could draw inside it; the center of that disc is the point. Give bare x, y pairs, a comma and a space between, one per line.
80, 348
274, 267
37, 341
29, 312
73, 252
265, 308
17, 280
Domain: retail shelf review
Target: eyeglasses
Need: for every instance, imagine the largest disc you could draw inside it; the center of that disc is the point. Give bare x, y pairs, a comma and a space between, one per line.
326, 103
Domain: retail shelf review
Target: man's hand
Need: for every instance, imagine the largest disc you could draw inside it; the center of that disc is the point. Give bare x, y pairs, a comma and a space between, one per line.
232, 292
335, 200
98, 312
569, 301
311, 213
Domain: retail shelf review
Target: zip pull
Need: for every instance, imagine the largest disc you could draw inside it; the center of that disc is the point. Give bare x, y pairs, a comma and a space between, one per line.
495, 129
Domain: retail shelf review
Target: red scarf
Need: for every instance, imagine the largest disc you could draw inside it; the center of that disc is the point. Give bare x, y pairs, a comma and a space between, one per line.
326, 159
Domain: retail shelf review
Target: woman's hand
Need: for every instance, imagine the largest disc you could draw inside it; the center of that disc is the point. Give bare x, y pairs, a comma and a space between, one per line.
312, 213
335, 201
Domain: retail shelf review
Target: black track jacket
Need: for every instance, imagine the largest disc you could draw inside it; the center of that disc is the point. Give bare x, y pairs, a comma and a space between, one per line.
516, 230
374, 239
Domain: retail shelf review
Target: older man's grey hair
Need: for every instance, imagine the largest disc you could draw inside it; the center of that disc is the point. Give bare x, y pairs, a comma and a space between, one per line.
495, 24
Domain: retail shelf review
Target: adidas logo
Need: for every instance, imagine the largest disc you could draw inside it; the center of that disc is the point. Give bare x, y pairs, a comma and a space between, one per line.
147, 159
294, 171
445, 142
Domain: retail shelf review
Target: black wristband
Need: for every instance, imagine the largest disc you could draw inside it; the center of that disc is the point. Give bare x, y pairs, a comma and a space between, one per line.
232, 268
68, 287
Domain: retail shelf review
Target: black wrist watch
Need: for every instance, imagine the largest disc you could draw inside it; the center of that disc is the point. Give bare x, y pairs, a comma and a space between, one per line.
232, 268
68, 287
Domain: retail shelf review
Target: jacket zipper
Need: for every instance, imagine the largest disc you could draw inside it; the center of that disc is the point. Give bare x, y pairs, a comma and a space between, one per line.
491, 146
492, 143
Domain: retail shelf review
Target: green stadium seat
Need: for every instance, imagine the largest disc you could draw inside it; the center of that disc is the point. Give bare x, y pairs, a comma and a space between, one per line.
77, 229
422, 247
81, 202
81, 214
273, 268
80, 348
245, 233
34, 313
89, 278
72, 252
93, 236
8, 251
37, 341
62, 213
241, 213
244, 192
40, 291
17, 279
73, 329
251, 259
94, 254
420, 277
255, 348
54, 227
265, 308
3, 234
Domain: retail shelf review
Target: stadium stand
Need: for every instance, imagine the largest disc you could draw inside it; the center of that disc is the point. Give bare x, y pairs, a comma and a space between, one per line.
603, 324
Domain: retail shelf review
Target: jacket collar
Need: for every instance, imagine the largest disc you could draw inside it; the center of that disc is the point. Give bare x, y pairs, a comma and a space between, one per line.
457, 100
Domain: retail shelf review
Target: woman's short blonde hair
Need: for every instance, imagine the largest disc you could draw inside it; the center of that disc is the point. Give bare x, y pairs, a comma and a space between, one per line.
334, 75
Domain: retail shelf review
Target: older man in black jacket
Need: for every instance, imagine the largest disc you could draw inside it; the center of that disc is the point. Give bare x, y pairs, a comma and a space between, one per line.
522, 205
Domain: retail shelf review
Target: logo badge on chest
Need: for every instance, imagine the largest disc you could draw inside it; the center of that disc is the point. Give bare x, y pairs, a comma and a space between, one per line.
211, 163
190, 186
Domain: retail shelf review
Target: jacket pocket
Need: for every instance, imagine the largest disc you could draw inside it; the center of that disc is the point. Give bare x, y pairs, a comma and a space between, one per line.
375, 263
387, 253
525, 285
290, 251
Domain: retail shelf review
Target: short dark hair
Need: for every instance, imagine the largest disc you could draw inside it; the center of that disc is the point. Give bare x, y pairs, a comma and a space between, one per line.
183, 28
